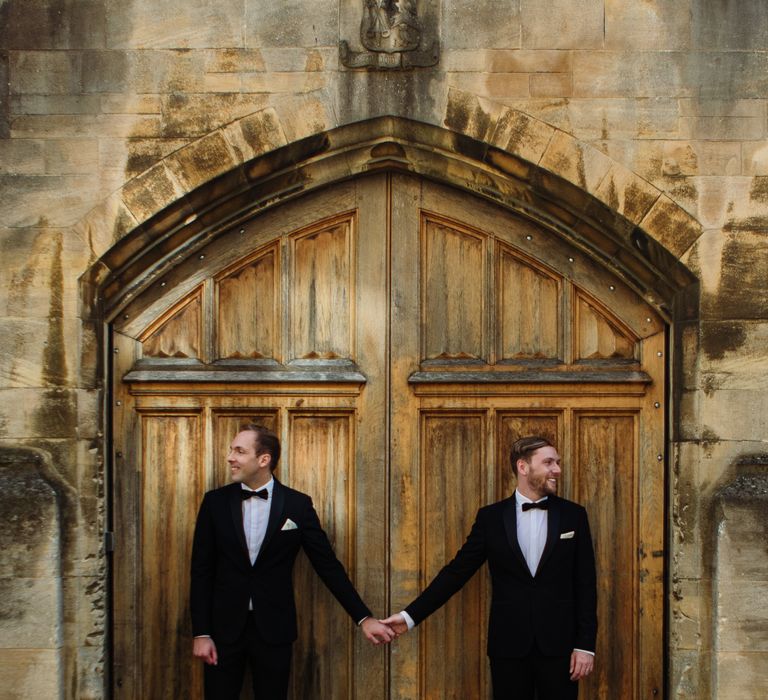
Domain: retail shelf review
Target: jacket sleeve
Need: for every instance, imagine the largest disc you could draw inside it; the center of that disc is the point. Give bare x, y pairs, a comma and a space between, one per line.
585, 583
327, 565
452, 577
203, 571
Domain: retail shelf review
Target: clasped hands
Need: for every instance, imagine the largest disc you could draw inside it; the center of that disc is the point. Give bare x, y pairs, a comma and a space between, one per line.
383, 631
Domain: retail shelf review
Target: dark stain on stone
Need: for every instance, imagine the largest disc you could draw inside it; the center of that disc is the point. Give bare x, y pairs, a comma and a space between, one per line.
743, 289
749, 224
759, 190
580, 170
5, 91
612, 196
684, 189
719, 338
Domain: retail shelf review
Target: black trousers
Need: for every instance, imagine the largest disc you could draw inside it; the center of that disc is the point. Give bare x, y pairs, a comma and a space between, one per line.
533, 677
270, 668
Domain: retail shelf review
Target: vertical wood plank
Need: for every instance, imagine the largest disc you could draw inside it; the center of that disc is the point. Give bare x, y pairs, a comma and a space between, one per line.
172, 485
605, 483
321, 453
453, 488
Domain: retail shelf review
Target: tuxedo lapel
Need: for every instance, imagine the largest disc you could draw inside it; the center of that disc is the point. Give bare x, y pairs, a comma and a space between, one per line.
236, 511
553, 530
510, 526
275, 516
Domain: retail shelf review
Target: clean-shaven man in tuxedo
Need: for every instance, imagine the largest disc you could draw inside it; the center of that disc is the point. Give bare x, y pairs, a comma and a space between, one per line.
247, 536
543, 621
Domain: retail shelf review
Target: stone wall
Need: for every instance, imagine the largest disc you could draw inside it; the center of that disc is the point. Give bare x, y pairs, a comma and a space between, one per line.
111, 111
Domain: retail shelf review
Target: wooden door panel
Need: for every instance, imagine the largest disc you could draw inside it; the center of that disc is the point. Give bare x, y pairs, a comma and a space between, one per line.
248, 309
453, 273
604, 475
455, 485
322, 290
321, 452
173, 471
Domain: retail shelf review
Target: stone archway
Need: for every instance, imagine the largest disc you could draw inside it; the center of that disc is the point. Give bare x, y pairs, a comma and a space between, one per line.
589, 201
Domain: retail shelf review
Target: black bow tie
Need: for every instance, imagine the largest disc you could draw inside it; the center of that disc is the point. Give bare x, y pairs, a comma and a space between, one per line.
544, 505
259, 494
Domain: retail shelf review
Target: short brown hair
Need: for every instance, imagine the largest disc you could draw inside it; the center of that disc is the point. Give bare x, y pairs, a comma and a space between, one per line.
524, 449
266, 442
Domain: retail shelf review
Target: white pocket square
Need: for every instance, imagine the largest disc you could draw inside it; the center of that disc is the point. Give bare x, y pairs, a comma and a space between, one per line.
568, 535
289, 525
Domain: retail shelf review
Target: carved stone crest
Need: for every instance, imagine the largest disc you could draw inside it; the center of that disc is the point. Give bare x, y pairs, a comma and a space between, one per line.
391, 32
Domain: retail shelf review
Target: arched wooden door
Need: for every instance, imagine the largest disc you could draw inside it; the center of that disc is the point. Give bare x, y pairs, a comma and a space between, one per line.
398, 335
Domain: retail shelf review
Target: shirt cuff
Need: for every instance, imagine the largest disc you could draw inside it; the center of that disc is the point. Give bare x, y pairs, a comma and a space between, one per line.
408, 620
362, 620
591, 653
202, 636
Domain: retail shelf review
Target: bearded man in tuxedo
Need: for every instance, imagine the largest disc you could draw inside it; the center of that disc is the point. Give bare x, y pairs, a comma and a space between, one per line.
247, 536
543, 620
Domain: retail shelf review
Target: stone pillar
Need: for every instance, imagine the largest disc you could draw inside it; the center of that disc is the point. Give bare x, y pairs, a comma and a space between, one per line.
31, 611
740, 587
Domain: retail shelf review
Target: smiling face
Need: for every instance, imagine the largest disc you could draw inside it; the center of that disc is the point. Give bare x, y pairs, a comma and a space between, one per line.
539, 476
245, 465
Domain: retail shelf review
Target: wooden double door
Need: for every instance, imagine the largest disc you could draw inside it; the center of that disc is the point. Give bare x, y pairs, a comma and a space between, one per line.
398, 336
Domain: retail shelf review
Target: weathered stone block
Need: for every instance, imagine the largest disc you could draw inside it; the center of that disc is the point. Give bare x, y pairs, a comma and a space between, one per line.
31, 673
201, 161
71, 156
551, 85
301, 60
276, 83
671, 226
488, 23
738, 128
38, 277
151, 191
654, 24
235, 60
556, 25
45, 72
631, 74
188, 24
22, 157
304, 115
719, 25
105, 225
292, 23
55, 104
576, 162
170, 71
522, 135
24, 345
26, 605
627, 193
186, 116
255, 134
741, 676
471, 115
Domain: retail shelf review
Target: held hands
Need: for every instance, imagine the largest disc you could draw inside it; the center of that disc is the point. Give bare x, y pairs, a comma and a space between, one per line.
581, 664
376, 632
397, 623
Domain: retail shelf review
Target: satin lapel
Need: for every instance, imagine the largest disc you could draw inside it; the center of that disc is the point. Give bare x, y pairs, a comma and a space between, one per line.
553, 531
236, 510
275, 516
510, 525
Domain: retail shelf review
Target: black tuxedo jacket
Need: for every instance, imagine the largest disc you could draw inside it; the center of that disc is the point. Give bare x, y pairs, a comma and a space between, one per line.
556, 607
223, 579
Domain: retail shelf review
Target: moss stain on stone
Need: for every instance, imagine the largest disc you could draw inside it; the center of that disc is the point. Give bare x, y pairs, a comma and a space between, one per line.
759, 190
719, 338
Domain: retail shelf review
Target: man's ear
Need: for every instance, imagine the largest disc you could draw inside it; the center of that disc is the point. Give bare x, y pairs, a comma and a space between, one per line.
522, 467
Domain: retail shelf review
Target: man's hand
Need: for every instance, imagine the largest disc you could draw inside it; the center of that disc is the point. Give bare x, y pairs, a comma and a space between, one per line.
376, 632
581, 664
204, 648
397, 623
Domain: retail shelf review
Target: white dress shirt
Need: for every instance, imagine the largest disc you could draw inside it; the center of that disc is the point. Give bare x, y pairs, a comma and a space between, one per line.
531, 531
255, 519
